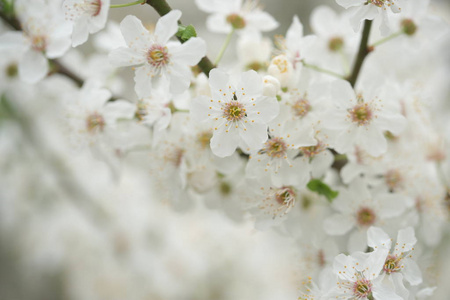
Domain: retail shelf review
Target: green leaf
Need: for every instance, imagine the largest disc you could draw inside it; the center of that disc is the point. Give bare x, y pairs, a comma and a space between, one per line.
186, 32
316, 185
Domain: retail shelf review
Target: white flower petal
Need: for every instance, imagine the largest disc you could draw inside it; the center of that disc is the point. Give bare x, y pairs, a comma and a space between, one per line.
390, 205
254, 136
180, 78
320, 163
119, 109
372, 140
342, 267
323, 20
412, 272
80, 31
200, 109
406, 239
33, 66
218, 23
261, 21
357, 241
143, 81
122, 57
350, 3
251, 84
224, 143
167, 26
57, 47
190, 52
135, 34
377, 238
265, 109
218, 80
338, 224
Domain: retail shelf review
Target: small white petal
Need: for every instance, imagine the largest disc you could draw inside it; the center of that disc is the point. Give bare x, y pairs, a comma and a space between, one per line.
190, 52
33, 66
122, 57
80, 31
167, 26
338, 224
224, 143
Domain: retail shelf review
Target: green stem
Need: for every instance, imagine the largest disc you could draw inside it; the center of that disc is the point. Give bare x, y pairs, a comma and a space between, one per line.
224, 47
362, 53
162, 8
127, 4
319, 69
390, 37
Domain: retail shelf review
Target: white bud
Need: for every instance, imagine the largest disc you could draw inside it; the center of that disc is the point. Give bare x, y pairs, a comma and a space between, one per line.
281, 68
271, 86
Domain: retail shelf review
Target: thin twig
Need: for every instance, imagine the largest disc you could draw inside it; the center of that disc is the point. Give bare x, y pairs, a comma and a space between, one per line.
362, 53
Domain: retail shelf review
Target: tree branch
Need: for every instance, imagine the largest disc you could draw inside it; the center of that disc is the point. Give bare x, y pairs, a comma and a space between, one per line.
162, 8
362, 53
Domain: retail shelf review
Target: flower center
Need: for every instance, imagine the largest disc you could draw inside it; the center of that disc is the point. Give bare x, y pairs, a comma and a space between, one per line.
361, 114
285, 196
225, 188
141, 110
11, 70
158, 56
301, 107
95, 123
175, 156
281, 63
408, 26
39, 43
236, 21
312, 151
392, 264
275, 147
335, 44
92, 7
204, 138
393, 179
378, 3
362, 288
365, 216
234, 111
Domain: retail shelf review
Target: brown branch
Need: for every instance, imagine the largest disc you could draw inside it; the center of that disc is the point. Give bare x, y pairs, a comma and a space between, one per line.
362, 53
162, 8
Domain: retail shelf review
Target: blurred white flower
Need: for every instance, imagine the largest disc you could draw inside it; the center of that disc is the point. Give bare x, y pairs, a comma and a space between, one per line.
159, 61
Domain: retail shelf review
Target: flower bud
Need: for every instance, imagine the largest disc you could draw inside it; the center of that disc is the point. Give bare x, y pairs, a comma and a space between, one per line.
409, 27
271, 86
281, 68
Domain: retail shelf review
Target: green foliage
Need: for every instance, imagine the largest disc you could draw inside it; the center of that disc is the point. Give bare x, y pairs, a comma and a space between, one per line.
318, 186
186, 32
7, 7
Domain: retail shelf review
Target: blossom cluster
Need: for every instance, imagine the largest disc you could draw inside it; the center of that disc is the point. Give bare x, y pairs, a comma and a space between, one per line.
329, 143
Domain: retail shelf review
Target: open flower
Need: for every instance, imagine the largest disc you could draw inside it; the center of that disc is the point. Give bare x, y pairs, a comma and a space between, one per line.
236, 14
44, 35
371, 9
159, 61
398, 264
359, 277
89, 16
238, 114
362, 119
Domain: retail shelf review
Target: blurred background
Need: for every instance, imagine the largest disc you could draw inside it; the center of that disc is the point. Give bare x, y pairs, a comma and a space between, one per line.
108, 239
